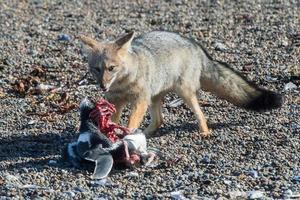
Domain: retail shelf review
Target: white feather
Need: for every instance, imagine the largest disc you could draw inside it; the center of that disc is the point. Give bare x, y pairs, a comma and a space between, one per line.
85, 137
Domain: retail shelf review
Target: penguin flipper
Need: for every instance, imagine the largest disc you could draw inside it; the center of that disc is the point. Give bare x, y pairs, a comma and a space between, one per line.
103, 166
103, 161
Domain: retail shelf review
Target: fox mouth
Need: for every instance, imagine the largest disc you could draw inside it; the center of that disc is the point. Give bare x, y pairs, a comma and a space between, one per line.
103, 89
106, 87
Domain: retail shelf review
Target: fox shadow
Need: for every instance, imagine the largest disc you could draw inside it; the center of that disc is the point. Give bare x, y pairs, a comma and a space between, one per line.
191, 127
39, 152
34, 151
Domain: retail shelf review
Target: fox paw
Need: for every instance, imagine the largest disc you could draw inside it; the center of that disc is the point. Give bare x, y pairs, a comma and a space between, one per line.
206, 134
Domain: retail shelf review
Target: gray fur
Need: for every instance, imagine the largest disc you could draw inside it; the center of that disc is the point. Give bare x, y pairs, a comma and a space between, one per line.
158, 62
173, 59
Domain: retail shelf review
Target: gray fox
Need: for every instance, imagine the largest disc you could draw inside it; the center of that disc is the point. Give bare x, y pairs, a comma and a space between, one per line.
142, 70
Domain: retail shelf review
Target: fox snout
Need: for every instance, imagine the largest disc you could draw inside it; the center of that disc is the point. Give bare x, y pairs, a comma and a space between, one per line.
102, 87
105, 82
99, 77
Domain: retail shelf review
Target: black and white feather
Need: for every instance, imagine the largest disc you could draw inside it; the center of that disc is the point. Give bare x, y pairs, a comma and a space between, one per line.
91, 144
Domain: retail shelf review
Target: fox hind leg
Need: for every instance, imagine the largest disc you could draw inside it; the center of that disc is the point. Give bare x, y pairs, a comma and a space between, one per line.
191, 100
156, 114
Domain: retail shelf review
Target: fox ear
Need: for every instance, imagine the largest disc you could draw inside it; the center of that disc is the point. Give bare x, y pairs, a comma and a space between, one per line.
125, 41
93, 44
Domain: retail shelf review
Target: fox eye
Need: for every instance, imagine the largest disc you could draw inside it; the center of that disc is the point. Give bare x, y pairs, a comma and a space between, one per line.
111, 68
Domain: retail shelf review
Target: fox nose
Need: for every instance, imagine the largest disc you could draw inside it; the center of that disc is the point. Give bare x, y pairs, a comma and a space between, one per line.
103, 88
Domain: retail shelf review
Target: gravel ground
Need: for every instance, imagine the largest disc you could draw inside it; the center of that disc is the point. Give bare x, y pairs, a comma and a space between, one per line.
248, 154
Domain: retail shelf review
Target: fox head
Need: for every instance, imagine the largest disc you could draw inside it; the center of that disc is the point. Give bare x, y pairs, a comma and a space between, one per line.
109, 61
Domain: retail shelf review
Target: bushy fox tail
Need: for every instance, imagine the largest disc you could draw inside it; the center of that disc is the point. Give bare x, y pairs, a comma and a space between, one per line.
221, 80
86, 106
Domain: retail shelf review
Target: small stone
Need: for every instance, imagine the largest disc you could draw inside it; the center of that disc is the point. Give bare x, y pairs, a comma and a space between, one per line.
271, 79
31, 122
101, 183
206, 159
132, 174
52, 162
177, 195
218, 191
288, 193
83, 82
33, 52
31, 187
290, 86
296, 178
176, 103
253, 173
237, 194
79, 189
220, 47
284, 42
70, 194
102, 198
25, 170
42, 88
11, 178
255, 195
63, 37
227, 182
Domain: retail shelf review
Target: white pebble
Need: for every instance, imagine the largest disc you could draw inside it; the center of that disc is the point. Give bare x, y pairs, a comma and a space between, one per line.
177, 195
227, 182
31, 122
70, 194
296, 178
220, 47
175, 103
290, 86
52, 162
11, 178
237, 194
102, 183
132, 174
255, 195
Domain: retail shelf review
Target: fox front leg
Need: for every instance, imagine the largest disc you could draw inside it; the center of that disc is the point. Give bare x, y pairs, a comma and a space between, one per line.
119, 108
119, 105
139, 109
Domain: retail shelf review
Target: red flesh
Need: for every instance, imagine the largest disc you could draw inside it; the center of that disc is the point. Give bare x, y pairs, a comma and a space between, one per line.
101, 115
